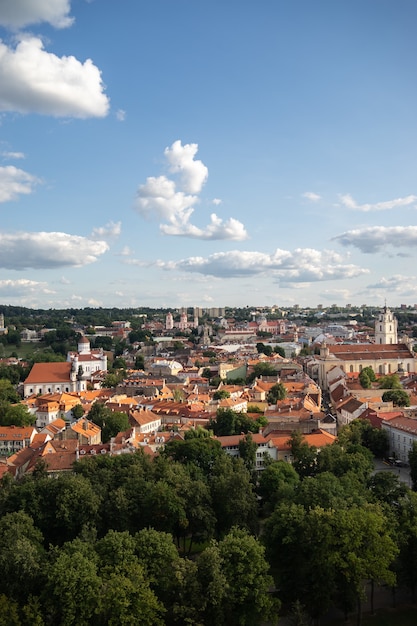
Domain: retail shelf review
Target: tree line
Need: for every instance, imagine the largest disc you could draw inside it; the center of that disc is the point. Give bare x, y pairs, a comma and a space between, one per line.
194, 536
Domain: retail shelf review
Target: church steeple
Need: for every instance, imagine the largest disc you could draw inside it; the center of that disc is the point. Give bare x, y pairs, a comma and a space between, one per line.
386, 327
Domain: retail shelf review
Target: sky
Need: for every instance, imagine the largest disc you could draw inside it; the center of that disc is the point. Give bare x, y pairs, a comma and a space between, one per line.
170, 153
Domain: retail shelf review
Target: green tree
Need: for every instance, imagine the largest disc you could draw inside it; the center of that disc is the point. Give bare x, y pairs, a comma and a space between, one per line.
72, 589
304, 456
276, 393
21, 556
8, 392
77, 411
233, 497
247, 452
367, 377
279, 350
390, 381
277, 482
247, 600
399, 397
412, 459
221, 394
262, 369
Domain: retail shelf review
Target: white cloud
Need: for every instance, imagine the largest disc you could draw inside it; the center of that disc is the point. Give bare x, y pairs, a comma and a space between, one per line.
121, 115
109, 231
349, 202
216, 201
13, 155
22, 287
19, 13
302, 265
159, 199
43, 250
193, 174
231, 230
64, 281
406, 285
310, 195
125, 251
35, 81
15, 182
373, 238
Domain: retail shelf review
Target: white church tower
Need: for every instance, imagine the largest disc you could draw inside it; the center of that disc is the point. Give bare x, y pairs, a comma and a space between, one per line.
386, 327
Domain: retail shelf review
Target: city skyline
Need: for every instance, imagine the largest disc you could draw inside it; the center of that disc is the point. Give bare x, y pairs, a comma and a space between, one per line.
181, 154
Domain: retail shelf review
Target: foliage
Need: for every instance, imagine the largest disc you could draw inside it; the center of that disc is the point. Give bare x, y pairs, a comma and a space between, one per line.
15, 415
391, 381
111, 423
412, 459
399, 397
220, 394
8, 392
262, 369
265, 349
367, 377
276, 393
247, 452
229, 422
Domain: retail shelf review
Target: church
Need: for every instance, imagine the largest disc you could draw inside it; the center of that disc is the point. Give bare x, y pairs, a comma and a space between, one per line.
68, 377
385, 355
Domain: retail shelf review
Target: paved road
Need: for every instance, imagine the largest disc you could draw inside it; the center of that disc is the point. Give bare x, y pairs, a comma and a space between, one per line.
403, 473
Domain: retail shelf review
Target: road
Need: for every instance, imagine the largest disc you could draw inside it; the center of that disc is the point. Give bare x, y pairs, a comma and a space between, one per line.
403, 473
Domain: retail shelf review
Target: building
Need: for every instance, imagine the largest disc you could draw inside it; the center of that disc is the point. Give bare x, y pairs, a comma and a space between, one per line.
87, 362
47, 378
385, 356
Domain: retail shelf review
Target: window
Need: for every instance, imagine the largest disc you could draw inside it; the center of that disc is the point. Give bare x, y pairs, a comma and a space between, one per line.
351, 368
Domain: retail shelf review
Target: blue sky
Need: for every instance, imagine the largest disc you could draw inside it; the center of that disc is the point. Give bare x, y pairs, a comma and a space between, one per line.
224, 153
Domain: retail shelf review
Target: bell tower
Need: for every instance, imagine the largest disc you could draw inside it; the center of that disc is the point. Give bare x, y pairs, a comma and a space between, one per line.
386, 327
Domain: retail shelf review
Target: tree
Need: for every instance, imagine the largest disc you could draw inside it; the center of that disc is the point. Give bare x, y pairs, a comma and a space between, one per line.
233, 497
363, 550
126, 598
304, 456
412, 459
277, 482
264, 349
220, 394
139, 362
111, 423
72, 588
8, 392
262, 369
77, 411
21, 556
276, 393
15, 415
367, 377
399, 397
247, 452
391, 381
247, 599
279, 350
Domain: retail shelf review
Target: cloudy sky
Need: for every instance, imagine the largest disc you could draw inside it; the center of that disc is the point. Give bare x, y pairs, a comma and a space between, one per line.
186, 153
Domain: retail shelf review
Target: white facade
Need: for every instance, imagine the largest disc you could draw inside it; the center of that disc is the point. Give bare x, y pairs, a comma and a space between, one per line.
386, 327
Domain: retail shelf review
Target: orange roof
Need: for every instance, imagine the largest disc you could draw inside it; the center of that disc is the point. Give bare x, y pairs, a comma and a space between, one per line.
49, 373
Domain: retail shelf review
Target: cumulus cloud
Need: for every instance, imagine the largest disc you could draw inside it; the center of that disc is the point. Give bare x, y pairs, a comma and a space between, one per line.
16, 14
397, 283
162, 199
22, 287
349, 202
302, 265
231, 229
109, 231
216, 201
43, 250
310, 195
193, 174
374, 238
15, 182
35, 81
